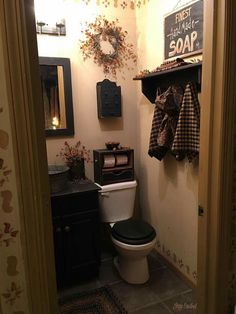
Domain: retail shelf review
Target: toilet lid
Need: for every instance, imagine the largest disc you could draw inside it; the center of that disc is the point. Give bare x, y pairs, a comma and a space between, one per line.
133, 232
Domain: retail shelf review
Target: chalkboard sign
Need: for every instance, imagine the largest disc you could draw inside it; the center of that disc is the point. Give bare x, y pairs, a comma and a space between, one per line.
184, 31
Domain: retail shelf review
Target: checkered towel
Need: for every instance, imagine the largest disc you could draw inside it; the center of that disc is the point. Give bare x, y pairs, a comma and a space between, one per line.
165, 121
186, 140
154, 149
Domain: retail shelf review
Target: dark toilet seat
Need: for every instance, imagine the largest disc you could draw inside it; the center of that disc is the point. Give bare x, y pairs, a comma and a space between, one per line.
133, 231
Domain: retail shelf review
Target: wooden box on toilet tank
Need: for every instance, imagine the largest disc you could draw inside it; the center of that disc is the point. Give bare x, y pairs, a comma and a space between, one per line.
113, 166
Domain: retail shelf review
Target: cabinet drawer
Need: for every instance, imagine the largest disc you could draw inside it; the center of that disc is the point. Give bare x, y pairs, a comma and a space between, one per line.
117, 176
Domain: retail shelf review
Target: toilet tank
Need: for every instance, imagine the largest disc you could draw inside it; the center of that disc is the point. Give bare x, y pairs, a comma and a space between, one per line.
116, 201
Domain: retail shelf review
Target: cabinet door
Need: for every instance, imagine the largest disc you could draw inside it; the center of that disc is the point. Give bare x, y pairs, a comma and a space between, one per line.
58, 249
81, 245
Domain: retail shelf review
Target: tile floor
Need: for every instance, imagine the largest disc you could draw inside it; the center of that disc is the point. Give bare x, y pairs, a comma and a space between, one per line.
164, 292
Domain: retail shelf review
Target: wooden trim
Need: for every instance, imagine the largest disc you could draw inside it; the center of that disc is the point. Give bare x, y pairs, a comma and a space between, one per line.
227, 154
26, 113
215, 169
205, 152
175, 270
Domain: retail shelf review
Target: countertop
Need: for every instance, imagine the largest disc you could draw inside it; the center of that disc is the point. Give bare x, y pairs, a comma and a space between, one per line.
76, 187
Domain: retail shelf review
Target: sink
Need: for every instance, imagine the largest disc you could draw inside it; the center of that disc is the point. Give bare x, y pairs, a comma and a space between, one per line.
58, 177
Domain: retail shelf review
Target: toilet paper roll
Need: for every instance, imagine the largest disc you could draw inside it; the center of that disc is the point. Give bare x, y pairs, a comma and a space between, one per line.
121, 160
109, 161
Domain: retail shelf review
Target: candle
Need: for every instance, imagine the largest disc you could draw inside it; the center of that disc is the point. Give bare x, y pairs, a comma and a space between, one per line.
55, 122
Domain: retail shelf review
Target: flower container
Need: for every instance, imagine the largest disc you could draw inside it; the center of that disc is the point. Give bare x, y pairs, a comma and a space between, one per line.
77, 171
58, 177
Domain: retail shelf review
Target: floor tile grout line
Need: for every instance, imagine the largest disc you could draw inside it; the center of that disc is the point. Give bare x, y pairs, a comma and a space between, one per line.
192, 290
151, 304
145, 306
111, 283
157, 268
175, 295
167, 308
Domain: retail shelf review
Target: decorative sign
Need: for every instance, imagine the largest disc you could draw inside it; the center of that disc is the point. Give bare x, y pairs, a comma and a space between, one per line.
184, 31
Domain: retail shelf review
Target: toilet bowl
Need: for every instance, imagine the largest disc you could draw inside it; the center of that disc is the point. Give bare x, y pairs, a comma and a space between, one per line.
132, 238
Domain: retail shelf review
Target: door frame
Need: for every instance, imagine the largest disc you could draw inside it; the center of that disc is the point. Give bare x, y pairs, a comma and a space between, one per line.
218, 110
23, 89
216, 162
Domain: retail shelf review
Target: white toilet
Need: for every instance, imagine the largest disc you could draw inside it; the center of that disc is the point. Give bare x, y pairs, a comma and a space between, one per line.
133, 239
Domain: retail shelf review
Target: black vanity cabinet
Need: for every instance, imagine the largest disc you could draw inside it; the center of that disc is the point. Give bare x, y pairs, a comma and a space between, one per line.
76, 233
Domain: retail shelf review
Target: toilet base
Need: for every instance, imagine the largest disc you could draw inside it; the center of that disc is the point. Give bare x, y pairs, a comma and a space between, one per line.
133, 271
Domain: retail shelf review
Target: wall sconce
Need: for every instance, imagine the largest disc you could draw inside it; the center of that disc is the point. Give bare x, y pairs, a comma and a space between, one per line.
40, 25
61, 27
58, 29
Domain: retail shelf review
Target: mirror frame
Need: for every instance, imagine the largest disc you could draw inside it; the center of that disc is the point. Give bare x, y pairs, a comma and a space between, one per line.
65, 62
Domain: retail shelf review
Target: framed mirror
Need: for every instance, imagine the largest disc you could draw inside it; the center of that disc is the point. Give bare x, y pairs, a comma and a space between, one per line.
57, 96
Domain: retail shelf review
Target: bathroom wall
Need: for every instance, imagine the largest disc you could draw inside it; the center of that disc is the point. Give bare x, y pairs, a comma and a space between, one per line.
169, 188
94, 132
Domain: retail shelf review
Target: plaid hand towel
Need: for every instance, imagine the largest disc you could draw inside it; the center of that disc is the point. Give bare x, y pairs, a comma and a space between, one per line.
186, 140
164, 121
154, 149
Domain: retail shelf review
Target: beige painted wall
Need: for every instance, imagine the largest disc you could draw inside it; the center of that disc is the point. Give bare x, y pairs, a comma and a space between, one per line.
168, 188
93, 132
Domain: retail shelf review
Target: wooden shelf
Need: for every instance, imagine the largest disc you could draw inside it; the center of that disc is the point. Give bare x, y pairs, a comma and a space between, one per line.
180, 75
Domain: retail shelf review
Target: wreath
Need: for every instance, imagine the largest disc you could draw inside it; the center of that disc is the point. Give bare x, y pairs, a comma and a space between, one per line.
117, 51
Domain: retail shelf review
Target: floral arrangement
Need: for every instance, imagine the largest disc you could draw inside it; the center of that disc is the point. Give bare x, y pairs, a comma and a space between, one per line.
103, 31
74, 154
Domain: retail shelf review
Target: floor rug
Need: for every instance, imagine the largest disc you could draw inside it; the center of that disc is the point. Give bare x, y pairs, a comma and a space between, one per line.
98, 301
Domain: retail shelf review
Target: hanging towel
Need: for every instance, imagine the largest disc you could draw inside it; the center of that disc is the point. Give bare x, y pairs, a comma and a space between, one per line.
154, 149
186, 140
165, 121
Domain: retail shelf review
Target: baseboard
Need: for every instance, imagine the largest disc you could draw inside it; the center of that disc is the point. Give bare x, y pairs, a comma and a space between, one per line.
175, 269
